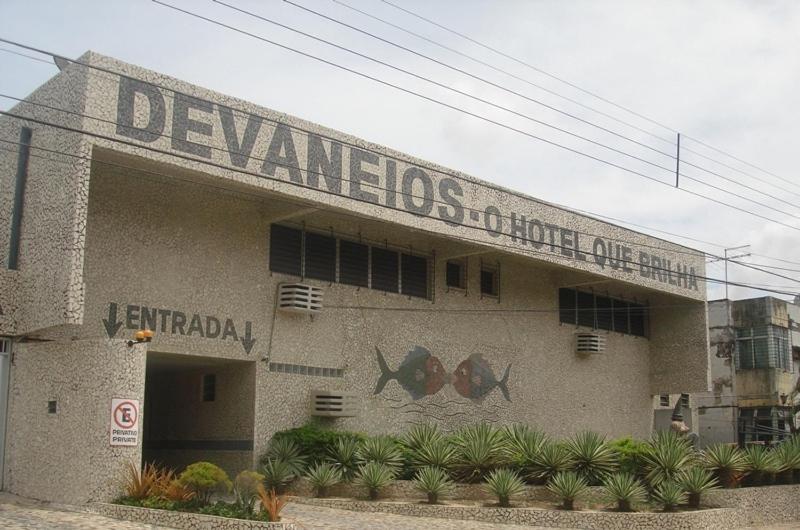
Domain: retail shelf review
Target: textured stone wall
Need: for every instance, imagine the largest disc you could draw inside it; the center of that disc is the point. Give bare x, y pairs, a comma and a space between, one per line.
761, 505
183, 520
66, 456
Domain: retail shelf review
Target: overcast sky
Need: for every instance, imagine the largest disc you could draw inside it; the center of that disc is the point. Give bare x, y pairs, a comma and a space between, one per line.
724, 72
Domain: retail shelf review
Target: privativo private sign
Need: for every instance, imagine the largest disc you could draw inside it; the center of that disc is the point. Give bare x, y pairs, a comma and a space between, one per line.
124, 421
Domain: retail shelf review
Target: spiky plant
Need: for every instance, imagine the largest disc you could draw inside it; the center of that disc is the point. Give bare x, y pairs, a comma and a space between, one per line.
277, 474
624, 489
669, 495
433, 482
380, 449
761, 464
344, 455
323, 476
727, 462
567, 486
271, 503
504, 484
592, 457
421, 435
245, 489
696, 481
479, 450
286, 450
787, 459
140, 483
522, 447
666, 455
374, 476
435, 452
553, 458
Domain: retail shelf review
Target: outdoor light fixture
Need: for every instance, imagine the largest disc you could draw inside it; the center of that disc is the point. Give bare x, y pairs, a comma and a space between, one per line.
145, 335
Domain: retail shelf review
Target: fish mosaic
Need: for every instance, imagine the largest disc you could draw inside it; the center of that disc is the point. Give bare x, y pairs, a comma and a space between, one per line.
422, 374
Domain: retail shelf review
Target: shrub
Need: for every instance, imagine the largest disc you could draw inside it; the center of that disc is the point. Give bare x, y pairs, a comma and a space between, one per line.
139, 484
666, 455
344, 454
568, 486
421, 435
787, 458
592, 457
381, 449
178, 492
553, 458
522, 448
624, 489
323, 476
277, 474
695, 481
436, 452
314, 441
375, 476
271, 503
761, 464
669, 495
245, 489
504, 484
286, 450
434, 482
727, 462
630, 455
227, 509
479, 450
204, 478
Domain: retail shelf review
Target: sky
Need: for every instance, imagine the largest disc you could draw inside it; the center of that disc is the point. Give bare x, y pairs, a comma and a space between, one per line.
724, 73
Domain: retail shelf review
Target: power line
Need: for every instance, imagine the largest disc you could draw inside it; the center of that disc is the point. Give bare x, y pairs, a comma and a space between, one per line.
490, 120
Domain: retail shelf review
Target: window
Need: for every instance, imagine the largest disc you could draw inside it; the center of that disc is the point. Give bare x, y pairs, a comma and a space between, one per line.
763, 347
209, 387
490, 281
384, 270
285, 250
663, 400
320, 257
456, 274
52, 407
414, 275
685, 400
602, 312
353, 263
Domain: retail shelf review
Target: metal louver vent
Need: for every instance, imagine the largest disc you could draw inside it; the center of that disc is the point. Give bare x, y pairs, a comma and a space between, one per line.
587, 343
299, 298
333, 404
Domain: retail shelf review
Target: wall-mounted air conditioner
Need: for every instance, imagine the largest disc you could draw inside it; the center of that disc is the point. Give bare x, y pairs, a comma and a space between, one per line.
589, 343
299, 298
333, 404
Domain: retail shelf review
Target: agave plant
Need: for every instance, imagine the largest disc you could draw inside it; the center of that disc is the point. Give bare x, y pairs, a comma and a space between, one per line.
434, 452
245, 489
553, 458
381, 449
344, 454
787, 459
375, 476
624, 489
420, 435
286, 450
761, 464
568, 486
669, 495
277, 474
727, 462
522, 447
479, 450
322, 477
666, 456
695, 481
592, 457
433, 482
504, 484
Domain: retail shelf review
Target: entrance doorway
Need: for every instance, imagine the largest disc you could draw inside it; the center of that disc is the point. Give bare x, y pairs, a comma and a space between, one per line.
198, 408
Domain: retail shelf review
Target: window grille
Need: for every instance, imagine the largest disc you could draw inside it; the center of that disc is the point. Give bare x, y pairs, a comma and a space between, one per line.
586, 309
320, 257
285, 250
763, 347
385, 270
353, 263
663, 400
414, 275
490, 281
456, 274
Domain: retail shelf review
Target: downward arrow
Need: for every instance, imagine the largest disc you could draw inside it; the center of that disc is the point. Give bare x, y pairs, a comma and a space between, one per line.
247, 340
112, 326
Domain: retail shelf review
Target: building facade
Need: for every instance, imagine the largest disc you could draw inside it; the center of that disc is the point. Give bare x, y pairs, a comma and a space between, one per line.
216, 225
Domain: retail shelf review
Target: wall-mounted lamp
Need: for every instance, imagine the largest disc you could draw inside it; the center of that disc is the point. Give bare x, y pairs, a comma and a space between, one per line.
145, 335
784, 397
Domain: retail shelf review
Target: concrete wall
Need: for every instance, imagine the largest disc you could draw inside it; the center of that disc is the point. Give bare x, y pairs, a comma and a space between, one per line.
66, 456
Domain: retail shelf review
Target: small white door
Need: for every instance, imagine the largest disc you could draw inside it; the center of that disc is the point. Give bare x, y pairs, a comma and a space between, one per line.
5, 368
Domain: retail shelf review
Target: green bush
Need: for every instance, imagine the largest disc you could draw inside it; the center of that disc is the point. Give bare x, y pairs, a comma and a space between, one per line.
314, 441
227, 509
434, 482
624, 489
322, 477
245, 489
567, 486
504, 484
374, 476
205, 478
630, 455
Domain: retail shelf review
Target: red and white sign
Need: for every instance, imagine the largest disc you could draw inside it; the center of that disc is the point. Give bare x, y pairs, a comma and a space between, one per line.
124, 421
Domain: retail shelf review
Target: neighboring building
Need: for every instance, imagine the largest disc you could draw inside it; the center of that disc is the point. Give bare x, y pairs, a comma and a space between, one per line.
216, 224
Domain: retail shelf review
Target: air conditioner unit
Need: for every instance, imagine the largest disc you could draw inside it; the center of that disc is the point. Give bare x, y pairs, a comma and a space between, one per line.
589, 343
333, 404
299, 298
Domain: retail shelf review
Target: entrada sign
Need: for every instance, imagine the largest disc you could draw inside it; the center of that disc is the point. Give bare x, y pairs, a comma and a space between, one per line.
177, 322
371, 178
